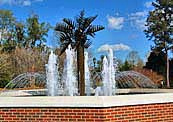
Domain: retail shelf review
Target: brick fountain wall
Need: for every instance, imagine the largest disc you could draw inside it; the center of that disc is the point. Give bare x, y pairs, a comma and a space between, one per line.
145, 113
153, 112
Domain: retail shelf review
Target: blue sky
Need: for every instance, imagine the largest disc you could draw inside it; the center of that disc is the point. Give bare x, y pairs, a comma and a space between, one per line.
123, 19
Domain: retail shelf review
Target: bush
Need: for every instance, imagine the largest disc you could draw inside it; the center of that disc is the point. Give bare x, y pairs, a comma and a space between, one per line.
5, 69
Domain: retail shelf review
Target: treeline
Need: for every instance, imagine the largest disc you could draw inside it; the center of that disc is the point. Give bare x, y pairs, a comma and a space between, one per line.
22, 45
160, 30
157, 62
132, 61
28, 34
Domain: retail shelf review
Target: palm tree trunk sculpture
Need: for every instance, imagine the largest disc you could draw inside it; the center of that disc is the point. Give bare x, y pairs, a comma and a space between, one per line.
76, 33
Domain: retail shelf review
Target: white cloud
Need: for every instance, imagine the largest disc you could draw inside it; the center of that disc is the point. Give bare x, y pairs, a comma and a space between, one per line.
148, 4
114, 47
115, 22
19, 2
139, 14
138, 19
27, 3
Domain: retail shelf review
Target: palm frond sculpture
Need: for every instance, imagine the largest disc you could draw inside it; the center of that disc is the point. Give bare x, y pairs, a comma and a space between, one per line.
76, 33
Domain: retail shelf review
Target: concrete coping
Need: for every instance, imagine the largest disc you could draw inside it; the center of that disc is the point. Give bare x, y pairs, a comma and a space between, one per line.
86, 101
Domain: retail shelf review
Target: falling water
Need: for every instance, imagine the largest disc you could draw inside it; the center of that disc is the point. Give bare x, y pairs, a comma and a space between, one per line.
70, 78
52, 75
69, 81
108, 73
111, 71
105, 75
87, 76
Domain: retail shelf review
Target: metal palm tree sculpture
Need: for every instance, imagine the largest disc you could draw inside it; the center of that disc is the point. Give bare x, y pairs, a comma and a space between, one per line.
76, 33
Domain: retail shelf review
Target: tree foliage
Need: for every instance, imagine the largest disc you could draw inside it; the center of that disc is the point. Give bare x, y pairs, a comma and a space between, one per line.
7, 32
160, 25
29, 34
7, 22
98, 64
156, 62
160, 28
20, 34
126, 66
21, 46
5, 69
133, 58
36, 32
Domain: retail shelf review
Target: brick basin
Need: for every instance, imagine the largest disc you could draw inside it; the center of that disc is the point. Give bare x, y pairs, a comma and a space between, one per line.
149, 112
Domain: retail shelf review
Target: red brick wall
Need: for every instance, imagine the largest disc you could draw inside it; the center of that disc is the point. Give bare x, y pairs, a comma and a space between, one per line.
146, 113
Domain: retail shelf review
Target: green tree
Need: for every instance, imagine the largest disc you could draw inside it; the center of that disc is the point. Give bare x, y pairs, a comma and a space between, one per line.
100, 64
126, 66
7, 26
133, 58
7, 22
36, 32
160, 29
20, 34
76, 33
140, 64
156, 62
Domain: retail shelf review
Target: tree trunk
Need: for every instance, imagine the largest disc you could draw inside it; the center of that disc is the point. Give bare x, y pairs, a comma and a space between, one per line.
81, 70
167, 70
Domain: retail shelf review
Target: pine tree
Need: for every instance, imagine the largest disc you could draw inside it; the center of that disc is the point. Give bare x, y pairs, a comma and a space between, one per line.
160, 29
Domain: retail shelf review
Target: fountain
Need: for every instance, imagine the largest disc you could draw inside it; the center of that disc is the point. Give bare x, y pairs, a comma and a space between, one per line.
132, 79
69, 106
67, 85
64, 87
111, 74
108, 76
105, 75
69, 78
52, 75
87, 76
70, 86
